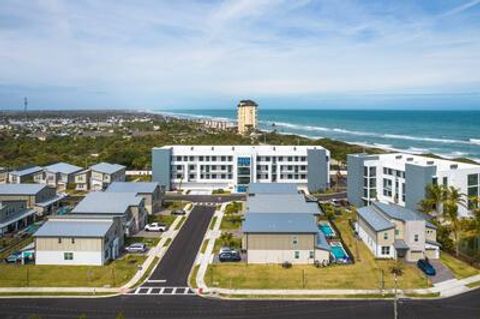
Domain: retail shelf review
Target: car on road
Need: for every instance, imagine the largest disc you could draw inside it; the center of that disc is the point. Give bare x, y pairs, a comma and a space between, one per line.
178, 212
136, 248
426, 267
156, 227
231, 255
14, 257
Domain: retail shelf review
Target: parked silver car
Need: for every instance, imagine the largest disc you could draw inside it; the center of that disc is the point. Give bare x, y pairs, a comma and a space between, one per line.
137, 248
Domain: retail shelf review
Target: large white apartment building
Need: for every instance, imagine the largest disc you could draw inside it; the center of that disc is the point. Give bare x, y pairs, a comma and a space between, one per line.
401, 178
235, 166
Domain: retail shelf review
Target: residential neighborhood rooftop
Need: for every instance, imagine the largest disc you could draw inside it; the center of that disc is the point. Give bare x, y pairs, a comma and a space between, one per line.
401, 213
279, 223
74, 228
272, 188
107, 168
107, 203
26, 171
63, 168
374, 218
132, 187
280, 203
21, 189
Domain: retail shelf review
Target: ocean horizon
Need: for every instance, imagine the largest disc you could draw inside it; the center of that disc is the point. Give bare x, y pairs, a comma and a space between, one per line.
449, 133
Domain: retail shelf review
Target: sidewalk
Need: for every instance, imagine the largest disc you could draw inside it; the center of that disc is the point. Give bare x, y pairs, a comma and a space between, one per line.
207, 257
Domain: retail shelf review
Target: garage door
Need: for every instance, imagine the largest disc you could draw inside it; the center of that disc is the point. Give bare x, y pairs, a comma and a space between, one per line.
431, 253
415, 255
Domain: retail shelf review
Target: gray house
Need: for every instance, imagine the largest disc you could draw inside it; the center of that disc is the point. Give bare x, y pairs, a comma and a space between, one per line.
150, 191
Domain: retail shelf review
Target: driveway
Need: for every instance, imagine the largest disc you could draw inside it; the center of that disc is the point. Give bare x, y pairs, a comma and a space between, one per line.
443, 273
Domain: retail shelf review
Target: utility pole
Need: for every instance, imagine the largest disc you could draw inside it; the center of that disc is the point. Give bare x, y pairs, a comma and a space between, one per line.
395, 299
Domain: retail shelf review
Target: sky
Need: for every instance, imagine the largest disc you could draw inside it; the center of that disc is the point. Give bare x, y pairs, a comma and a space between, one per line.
209, 54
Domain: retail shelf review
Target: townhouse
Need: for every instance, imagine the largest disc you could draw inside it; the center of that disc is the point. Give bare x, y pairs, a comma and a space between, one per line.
103, 174
129, 207
31, 174
21, 203
60, 175
235, 166
402, 178
280, 226
78, 241
151, 192
392, 231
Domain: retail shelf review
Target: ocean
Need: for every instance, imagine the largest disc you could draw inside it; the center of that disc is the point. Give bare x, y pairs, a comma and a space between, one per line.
450, 134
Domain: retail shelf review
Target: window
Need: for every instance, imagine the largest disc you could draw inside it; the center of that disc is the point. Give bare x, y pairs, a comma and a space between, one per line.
472, 179
312, 254
385, 235
415, 237
445, 181
67, 256
297, 255
73, 240
385, 250
59, 240
397, 232
294, 240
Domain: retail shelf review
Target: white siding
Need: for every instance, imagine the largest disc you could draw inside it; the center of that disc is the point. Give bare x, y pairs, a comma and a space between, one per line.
46, 257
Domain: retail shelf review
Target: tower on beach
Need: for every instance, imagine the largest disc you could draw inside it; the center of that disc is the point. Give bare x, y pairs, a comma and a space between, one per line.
246, 116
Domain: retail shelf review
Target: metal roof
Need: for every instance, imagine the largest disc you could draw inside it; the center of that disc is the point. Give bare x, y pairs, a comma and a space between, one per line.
280, 203
27, 171
107, 168
279, 223
322, 242
272, 188
63, 168
132, 187
21, 189
374, 219
401, 213
107, 203
400, 244
74, 228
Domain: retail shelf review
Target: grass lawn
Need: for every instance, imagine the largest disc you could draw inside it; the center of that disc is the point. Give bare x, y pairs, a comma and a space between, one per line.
212, 223
150, 242
231, 222
164, 219
114, 274
204, 246
192, 280
178, 204
474, 284
366, 273
181, 222
167, 242
459, 268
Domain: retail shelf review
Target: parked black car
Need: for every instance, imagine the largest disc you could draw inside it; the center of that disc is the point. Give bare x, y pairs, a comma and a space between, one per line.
231, 255
426, 267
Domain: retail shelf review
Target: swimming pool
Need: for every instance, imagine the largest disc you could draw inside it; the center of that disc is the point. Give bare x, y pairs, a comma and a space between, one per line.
339, 252
327, 230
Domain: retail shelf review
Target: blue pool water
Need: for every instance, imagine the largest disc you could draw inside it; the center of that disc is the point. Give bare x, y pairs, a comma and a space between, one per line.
338, 251
327, 230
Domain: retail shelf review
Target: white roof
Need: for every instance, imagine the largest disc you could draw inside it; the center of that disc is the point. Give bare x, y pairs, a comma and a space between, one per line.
63, 168
398, 161
219, 150
107, 203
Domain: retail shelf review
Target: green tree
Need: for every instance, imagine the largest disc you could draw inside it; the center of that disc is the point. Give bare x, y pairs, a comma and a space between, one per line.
435, 196
454, 199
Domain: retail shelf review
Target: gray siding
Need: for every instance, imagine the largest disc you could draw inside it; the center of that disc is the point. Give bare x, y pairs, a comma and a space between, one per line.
161, 159
355, 179
318, 170
416, 179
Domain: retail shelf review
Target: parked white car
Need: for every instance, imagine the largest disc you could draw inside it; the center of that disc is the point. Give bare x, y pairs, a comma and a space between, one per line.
156, 227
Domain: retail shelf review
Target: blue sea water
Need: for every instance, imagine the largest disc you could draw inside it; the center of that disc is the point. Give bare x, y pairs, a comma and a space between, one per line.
447, 133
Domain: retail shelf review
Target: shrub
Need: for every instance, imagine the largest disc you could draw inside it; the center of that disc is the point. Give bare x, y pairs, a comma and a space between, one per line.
286, 265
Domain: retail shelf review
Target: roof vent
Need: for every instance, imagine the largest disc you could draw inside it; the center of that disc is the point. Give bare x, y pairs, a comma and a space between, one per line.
294, 148
213, 148
454, 166
398, 156
191, 148
274, 148
409, 159
233, 148
430, 162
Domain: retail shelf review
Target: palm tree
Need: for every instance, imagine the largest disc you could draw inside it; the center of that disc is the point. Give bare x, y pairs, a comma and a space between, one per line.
435, 195
450, 212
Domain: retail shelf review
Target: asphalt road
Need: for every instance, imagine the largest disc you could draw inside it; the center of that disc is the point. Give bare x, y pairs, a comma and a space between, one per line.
180, 256
466, 306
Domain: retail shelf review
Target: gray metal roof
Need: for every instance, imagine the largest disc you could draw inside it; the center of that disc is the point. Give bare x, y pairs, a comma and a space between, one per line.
322, 242
107, 168
21, 189
63, 168
401, 213
374, 219
272, 188
280, 203
279, 223
74, 228
400, 244
27, 171
107, 203
132, 187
